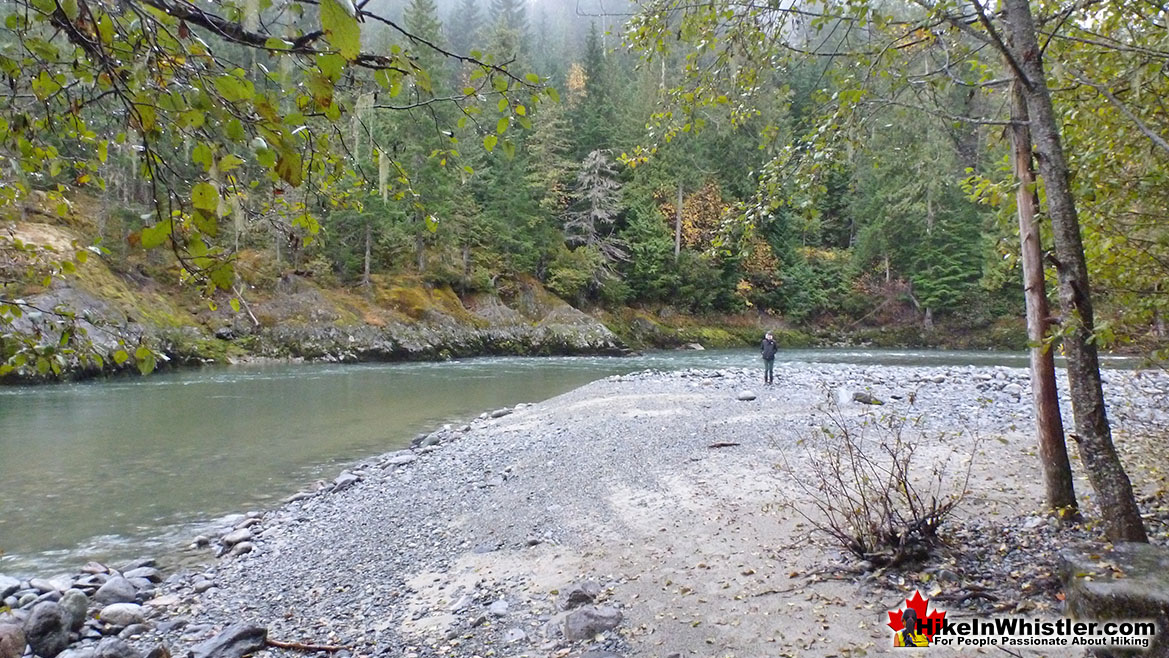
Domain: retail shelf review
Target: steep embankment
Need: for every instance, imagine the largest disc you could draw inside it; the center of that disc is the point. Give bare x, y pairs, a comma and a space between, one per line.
124, 301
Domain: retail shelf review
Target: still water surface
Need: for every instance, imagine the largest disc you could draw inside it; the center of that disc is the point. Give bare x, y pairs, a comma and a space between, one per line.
132, 467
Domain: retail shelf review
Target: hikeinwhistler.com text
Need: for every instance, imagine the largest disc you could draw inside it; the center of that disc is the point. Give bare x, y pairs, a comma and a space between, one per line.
1027, 632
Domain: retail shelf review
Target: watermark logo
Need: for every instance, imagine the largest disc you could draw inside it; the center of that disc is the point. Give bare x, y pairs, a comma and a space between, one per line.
915, 625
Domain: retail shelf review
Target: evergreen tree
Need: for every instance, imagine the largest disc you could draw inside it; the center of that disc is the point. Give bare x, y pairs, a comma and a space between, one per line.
512, 14
594, 120
464, 27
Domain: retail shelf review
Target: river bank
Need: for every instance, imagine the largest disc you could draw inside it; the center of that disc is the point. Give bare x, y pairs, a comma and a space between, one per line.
120, 301
469, 542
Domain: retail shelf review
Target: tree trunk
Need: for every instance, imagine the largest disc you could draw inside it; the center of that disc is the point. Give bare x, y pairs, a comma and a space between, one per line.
1053, 454
678, 224
1121, 517
365, 281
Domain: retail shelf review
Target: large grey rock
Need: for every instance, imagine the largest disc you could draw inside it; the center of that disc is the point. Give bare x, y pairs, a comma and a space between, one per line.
77, 652
236, 641
45, 630
11, 641
600, 653
1131, 581
498, 608
116, 590
112, 647
41, 585
345, 480
586, 622
74, 603
122, 614
8, 586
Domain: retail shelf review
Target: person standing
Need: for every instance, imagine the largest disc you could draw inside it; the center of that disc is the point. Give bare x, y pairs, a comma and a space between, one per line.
768, 348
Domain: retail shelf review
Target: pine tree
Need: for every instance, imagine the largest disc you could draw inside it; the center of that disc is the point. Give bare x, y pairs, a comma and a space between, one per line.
464, 28
594, 120
512, 14
596, 205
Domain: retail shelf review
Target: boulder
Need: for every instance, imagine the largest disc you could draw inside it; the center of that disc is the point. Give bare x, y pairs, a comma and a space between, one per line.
11, 641
74, 604
45, 630
584, 623
116, 590
235, 641
1130, 581
122, 614
112, 647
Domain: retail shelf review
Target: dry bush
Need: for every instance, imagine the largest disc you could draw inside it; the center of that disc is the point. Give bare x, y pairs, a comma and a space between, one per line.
869, 489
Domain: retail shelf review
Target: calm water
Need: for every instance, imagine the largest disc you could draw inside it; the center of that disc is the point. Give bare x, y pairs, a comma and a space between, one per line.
134, 467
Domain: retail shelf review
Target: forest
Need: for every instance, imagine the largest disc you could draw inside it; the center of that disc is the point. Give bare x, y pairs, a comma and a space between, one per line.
832, 167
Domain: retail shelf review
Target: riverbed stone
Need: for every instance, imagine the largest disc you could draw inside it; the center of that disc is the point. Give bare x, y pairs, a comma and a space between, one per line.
235, 641
237, 536
74, 604
345, 480
41, 585
112, 647
11, 641
584, 623
498, 608
1130, 581
116, 590
147, 573
45, 630
77, 652
401, 459
122, 614
8, 586
242, 548
500, 413
579, 594
514, 635
746, 395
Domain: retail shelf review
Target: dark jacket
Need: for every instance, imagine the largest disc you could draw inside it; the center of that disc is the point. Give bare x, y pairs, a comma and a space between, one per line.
769, 348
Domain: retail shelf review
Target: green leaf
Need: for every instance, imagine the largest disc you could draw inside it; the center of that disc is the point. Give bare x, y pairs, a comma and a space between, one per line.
234, 89
145, 360
288, 167
502, 126
553, 94
342, 29
153, 236
489, 142
205, 197
229, 162
223, 276
533, 78
202, 155
234, 304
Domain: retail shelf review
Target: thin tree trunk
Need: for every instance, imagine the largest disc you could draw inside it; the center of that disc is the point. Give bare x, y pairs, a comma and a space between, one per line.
1121, 517
678, 224
368, 253
1053, 454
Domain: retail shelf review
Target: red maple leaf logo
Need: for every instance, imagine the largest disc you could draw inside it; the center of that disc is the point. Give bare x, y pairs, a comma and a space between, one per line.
931, 621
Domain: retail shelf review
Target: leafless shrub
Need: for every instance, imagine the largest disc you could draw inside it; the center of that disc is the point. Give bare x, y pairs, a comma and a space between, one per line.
869, 489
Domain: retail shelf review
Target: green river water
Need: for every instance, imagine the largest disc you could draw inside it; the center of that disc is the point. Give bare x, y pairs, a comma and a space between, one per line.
137, 466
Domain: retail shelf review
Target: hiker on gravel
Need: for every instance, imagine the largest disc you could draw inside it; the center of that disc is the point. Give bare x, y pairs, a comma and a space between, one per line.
769, 348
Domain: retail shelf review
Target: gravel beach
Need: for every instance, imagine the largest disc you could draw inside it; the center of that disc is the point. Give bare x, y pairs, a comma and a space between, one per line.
604, 523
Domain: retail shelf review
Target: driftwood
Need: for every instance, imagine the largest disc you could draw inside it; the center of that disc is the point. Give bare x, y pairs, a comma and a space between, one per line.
330, 648
724, 444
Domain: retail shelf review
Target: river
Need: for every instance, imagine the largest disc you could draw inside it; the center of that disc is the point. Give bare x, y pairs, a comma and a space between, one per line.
134, 467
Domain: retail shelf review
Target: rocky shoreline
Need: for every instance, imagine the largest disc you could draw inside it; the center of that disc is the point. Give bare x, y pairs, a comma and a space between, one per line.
602, 523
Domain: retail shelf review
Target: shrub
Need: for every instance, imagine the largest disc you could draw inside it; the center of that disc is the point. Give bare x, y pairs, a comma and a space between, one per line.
867, 490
